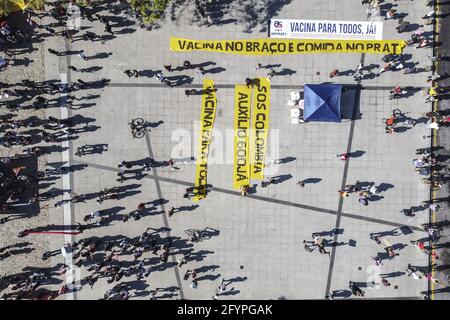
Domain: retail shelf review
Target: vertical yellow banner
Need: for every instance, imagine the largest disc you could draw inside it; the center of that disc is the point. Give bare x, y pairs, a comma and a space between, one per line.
242, 104
207, 117
260, 128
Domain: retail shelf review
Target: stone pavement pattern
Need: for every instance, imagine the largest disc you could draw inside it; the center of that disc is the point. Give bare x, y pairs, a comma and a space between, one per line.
259, 241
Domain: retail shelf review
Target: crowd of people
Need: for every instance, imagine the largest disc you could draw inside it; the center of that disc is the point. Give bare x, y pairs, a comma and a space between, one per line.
116, 257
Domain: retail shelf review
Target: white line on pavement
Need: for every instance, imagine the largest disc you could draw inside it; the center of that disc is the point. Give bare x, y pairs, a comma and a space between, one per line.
70, 274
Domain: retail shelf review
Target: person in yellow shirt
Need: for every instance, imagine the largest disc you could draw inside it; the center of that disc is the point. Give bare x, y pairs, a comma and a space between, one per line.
433, 91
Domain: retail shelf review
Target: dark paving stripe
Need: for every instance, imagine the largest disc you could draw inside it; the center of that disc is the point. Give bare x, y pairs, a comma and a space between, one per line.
231, 86
344, 182
261, 198
166, 222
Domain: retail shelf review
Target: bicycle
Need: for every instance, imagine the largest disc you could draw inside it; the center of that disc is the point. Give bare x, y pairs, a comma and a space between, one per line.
196, 235
138, 126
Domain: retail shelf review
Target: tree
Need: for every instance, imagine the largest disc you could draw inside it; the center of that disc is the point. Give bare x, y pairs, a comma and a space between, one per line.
149, 11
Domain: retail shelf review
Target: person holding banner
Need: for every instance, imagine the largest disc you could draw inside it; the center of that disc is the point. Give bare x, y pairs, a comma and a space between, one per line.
244, 190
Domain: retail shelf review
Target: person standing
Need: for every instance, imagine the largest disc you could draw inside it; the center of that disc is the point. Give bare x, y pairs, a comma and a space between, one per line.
385, 282
222, 287
82, 55
194, 284
170, 163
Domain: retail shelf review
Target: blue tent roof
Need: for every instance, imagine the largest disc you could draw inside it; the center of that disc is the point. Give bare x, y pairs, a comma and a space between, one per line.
322, 102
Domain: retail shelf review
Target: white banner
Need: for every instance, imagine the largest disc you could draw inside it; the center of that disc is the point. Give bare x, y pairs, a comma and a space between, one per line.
325, 29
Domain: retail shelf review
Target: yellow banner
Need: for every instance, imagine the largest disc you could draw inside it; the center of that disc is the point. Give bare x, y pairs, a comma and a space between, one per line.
288, 46
260, 128
242, 104
207, 116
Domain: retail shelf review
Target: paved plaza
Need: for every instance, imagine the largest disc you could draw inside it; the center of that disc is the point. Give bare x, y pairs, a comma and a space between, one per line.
256, 241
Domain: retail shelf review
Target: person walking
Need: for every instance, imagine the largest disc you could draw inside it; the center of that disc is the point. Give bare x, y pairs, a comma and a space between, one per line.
244, 190
334, 73
186, 64
435, 207
378, 261
187, 274
222, 287
271, 73
375, 238
200, 70
121, 176
194, 284
408, 212
171, 212
171, 164
419, 244
210, 20
108, 28
363, 199
183, 260
343, 193
132, 73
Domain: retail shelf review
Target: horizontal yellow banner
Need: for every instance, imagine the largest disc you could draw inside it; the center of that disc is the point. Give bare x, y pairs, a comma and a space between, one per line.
288, 46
